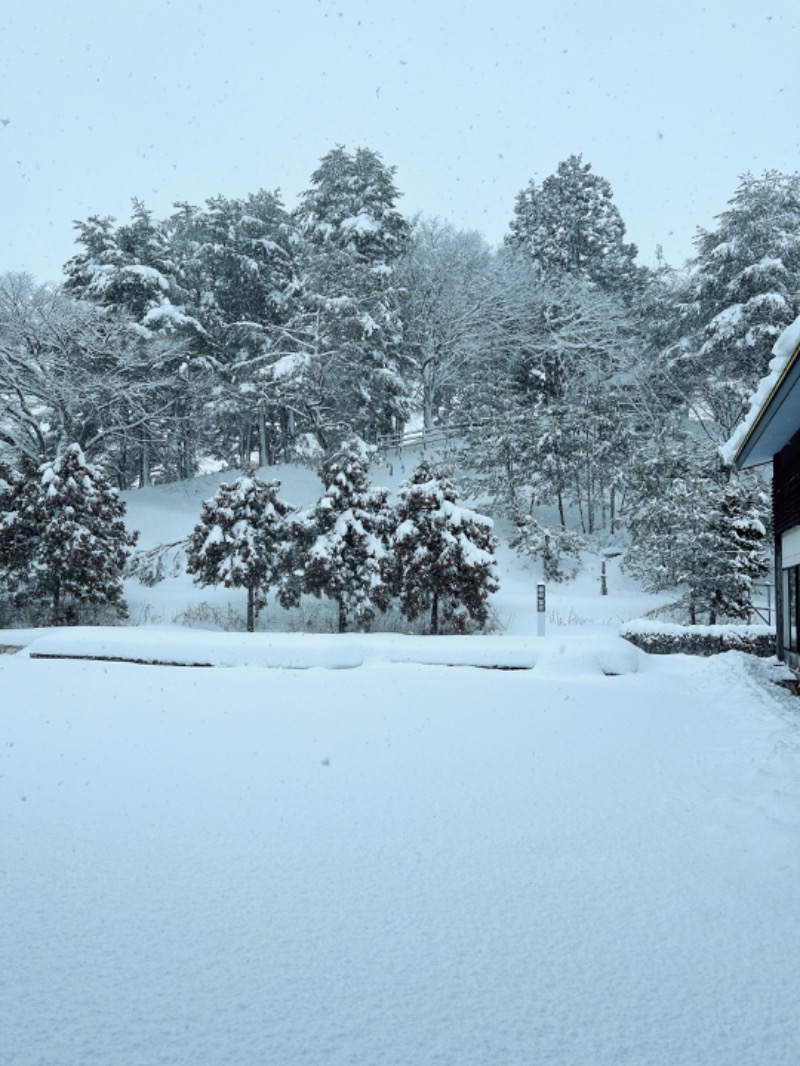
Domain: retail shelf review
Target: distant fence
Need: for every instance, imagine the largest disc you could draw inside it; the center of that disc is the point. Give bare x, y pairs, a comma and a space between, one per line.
763, 611
432, 437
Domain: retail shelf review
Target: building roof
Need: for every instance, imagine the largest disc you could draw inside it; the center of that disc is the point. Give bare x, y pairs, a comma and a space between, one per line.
774, 415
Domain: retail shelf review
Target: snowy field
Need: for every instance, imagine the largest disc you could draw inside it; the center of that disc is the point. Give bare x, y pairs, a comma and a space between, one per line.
329, 851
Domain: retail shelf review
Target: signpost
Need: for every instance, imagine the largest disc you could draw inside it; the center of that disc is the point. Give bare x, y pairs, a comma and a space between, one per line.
541, 607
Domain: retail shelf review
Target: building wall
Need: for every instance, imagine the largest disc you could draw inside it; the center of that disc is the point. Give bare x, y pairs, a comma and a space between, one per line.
786, 486
786, 504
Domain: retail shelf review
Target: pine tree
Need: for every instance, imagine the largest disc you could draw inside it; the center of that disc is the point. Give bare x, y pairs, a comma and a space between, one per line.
745, 290
235, 259
444, 554
241, 540
17, 528
695, 532
739, 525
571, 225
350, 235
343, 539
130, 269
64, 541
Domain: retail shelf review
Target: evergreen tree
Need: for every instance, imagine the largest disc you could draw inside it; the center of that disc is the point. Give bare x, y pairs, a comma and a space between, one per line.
342, 540
444, 554
64, 540
570, 225
235, 259
350, 235
695, 532
745, 290
17, 528
739, 524
241, 540
130, 268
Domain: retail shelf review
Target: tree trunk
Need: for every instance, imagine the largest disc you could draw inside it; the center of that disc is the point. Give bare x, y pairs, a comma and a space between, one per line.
435, 615
561, 510
342, 618
287, 431
144, 466
251, 609
265, 456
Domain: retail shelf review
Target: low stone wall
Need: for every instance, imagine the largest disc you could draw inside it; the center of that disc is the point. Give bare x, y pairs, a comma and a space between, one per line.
663, 638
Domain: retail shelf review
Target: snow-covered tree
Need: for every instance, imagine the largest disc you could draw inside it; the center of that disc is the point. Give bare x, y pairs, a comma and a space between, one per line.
444, 554
557, 547
63, 539
74, 372
17, 528
693, 531
130, 270
570, 225
739, 522
241, 540
350, 235
444, 282
551, 403
342, 541
745, 290
235, 259
129, 267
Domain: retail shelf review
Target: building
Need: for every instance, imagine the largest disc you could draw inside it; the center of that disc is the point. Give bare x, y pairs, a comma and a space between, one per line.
771, 433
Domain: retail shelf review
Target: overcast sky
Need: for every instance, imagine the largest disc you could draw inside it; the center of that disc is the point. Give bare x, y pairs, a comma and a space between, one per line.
172, 100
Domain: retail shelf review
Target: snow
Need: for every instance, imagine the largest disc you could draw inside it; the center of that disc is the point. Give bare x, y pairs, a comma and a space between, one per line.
782, 352
362, 223
645, 625
288, 365
365, 850
399, 863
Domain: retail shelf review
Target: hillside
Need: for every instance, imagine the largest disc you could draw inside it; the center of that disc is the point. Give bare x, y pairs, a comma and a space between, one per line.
164, 514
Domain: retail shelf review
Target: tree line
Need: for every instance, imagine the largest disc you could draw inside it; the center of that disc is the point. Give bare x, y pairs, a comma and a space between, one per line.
576, 380
64, 545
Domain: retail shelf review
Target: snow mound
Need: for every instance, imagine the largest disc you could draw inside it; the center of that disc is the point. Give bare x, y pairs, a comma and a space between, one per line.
562, 655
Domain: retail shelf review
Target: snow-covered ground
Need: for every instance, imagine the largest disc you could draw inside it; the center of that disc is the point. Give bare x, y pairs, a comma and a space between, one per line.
592, 860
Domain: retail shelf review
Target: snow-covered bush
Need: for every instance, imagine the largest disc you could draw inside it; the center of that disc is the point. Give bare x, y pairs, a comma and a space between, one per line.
663, 638
558, 548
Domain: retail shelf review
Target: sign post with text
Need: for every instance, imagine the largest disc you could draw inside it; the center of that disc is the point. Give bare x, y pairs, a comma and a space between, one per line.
541, 607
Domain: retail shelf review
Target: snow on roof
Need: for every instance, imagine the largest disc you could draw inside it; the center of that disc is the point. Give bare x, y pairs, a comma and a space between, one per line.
782, 352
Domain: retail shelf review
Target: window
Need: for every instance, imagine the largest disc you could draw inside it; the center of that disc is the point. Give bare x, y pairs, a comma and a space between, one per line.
791, 611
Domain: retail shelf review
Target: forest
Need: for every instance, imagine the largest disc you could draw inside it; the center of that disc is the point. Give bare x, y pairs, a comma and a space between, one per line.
580, 395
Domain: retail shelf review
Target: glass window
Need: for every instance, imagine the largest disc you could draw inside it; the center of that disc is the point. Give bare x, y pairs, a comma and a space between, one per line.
792, 606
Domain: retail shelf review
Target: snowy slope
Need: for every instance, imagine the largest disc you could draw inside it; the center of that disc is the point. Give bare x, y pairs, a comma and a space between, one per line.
164, 514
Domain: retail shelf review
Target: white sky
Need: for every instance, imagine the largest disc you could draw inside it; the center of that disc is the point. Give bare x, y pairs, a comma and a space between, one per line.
177, 100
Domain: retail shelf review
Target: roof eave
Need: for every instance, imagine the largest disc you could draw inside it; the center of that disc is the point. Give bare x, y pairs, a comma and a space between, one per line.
785, 388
